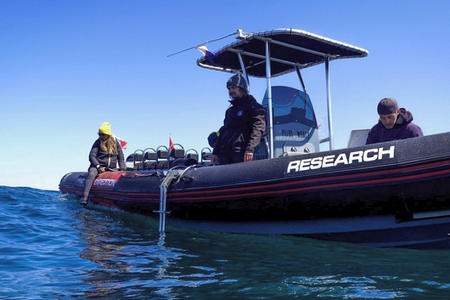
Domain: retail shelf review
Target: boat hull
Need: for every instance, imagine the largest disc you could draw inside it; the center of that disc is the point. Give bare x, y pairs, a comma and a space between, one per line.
375, 231
393, 194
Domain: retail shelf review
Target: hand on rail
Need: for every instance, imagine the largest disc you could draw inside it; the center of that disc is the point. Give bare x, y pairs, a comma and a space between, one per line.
248, 156
214, 160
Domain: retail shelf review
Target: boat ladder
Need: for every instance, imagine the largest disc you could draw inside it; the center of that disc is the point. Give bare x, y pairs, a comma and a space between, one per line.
169, 177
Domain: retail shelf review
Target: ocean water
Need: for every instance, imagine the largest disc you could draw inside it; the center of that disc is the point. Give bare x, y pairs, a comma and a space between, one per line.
53, 248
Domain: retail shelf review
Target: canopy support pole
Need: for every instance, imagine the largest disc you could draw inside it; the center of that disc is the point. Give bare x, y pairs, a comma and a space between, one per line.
330, 121
269, 98
244, 72
297, 69
303, 84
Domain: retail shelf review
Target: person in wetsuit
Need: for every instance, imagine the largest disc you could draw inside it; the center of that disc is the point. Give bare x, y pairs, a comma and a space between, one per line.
104, 156
243, 126
394, 124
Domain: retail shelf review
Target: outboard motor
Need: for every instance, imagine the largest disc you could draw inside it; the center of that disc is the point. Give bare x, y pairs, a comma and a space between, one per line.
295, 127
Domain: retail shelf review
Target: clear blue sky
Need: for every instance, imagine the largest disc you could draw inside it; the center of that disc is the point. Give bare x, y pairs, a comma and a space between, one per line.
68, 66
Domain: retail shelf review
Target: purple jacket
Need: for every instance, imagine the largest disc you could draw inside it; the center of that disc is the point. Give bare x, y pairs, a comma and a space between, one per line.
402, 129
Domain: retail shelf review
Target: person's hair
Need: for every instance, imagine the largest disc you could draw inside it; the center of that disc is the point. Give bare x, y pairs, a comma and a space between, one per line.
387, 106
109, 145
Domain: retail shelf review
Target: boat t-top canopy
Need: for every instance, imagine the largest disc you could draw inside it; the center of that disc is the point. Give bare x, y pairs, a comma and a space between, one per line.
277, 52
289, 49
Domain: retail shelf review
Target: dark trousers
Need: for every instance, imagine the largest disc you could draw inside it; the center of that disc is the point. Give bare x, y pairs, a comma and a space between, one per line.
92, 173
231, 158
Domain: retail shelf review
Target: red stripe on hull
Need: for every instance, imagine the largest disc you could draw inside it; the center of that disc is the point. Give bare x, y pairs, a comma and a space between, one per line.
183, 196
316, 188
306, 181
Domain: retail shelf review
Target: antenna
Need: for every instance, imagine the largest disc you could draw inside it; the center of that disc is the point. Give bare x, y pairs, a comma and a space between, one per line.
240, 33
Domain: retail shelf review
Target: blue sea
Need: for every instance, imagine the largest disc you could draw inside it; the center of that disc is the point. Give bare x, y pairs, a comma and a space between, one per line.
51, 247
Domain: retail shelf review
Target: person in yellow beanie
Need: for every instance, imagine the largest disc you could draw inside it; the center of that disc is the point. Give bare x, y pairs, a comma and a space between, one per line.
105, 154
105, 128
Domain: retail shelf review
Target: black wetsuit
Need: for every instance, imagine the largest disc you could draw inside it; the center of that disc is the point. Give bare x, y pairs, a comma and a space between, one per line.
100, 158
242, 129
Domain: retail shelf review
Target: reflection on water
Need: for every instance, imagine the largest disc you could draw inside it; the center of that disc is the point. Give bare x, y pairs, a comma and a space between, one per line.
133, 260
125, 260
101, 250
333, 286
52, 248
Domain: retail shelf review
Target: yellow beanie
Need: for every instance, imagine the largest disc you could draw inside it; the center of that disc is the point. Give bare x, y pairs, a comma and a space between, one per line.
105, 128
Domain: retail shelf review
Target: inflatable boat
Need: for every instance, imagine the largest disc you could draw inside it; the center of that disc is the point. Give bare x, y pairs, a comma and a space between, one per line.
391, 194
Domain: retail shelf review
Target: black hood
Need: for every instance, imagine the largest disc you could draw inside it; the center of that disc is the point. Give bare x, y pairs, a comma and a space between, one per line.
404, 117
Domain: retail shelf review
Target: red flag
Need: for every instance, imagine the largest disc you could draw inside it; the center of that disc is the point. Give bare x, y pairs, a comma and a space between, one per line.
123, 143
171, 146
